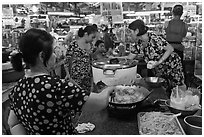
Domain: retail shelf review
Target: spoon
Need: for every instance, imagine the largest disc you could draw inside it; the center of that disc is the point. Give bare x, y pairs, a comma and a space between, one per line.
173, 116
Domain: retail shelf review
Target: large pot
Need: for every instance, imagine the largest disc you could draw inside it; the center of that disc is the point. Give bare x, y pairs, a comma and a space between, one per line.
124, 72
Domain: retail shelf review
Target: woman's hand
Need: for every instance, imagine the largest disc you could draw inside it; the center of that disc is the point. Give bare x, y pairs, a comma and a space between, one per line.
98, 101
152, 64
67, 77
109, 90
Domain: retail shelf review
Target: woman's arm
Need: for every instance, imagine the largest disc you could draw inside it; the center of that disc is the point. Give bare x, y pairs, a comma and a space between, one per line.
16, 127
67, 72
98, 101
169, 49
131, 56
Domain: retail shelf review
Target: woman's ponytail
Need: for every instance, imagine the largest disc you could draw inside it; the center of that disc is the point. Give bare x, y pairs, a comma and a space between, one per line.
16, 61
81, 32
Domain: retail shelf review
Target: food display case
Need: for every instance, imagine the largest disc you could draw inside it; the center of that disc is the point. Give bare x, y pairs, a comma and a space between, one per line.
198, 53
193, 50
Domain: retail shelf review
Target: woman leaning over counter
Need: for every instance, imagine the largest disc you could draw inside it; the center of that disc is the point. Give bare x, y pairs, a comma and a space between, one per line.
40, 103
158, 53
78, 58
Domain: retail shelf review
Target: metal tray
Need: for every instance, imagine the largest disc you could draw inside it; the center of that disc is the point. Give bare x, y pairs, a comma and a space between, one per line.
175, 120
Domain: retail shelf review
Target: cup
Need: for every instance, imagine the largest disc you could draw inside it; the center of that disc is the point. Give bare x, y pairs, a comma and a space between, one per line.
137, 78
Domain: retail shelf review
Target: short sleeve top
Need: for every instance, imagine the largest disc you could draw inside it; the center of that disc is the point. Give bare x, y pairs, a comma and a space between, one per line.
155, 47
44, 104
79, 62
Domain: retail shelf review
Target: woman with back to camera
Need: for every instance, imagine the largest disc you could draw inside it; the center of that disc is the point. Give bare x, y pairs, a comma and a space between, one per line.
40, 103
176, 30
78, 58
158, 53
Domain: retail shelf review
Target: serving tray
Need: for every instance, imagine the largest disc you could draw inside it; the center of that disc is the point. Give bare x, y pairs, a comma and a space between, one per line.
172, 127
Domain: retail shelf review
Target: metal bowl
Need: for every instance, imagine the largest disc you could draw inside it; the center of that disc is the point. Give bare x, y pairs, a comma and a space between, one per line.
193, 125
154, 81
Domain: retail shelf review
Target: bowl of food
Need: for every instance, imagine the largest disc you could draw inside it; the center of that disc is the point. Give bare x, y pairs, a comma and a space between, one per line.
190, 110
154, 81
127, 98
193, 125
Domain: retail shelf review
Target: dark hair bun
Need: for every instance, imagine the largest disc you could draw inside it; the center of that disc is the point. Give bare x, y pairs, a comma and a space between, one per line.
80, 32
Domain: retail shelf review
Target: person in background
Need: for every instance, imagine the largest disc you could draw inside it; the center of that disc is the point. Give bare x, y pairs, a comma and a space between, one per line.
176, 30
99, 52
69, 36
108, 42
98, 35
42, 104
158, 54
78, 59
112, 35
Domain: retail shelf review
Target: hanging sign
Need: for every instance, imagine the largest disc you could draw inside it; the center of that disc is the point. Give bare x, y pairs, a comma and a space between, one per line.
111, 8
7, 16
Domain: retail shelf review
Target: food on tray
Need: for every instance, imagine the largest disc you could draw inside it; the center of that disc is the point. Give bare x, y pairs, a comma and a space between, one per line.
157, 123
128, 94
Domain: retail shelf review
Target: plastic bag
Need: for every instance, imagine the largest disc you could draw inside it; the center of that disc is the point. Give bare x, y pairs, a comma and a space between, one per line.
178, 98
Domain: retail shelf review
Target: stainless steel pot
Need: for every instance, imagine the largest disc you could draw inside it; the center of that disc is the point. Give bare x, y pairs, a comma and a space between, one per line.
124, 72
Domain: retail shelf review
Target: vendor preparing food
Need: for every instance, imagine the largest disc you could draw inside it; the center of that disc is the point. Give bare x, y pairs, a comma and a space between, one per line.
158, 53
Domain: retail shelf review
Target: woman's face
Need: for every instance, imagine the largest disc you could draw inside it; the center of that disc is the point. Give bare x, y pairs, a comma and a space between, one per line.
101, 47
52, 60
144, 37
134, 35
90, 37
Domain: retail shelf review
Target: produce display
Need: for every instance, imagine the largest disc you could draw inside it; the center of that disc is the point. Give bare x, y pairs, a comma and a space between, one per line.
157, 123
128, 94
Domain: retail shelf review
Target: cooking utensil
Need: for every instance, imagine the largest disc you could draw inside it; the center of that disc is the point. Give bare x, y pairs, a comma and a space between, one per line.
174, 110
193, 125
154, 81
142, 90
174, 116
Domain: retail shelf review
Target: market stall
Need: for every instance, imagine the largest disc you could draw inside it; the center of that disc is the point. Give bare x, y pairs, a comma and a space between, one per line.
141, 103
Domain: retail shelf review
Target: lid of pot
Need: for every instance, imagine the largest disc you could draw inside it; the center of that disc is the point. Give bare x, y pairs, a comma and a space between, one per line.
113, 64
7, 66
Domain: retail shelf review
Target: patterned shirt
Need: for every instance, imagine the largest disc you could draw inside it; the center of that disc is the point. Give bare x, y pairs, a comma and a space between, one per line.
79, 62
171, 68
45, 105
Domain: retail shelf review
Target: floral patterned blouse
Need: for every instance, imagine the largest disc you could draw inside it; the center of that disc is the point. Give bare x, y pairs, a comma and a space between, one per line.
171, 68
79, 62
45, 105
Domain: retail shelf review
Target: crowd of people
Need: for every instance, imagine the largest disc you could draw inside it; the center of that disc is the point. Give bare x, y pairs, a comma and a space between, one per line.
44, 104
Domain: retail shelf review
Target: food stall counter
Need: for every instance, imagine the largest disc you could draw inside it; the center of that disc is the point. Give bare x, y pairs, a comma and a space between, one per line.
108, 124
